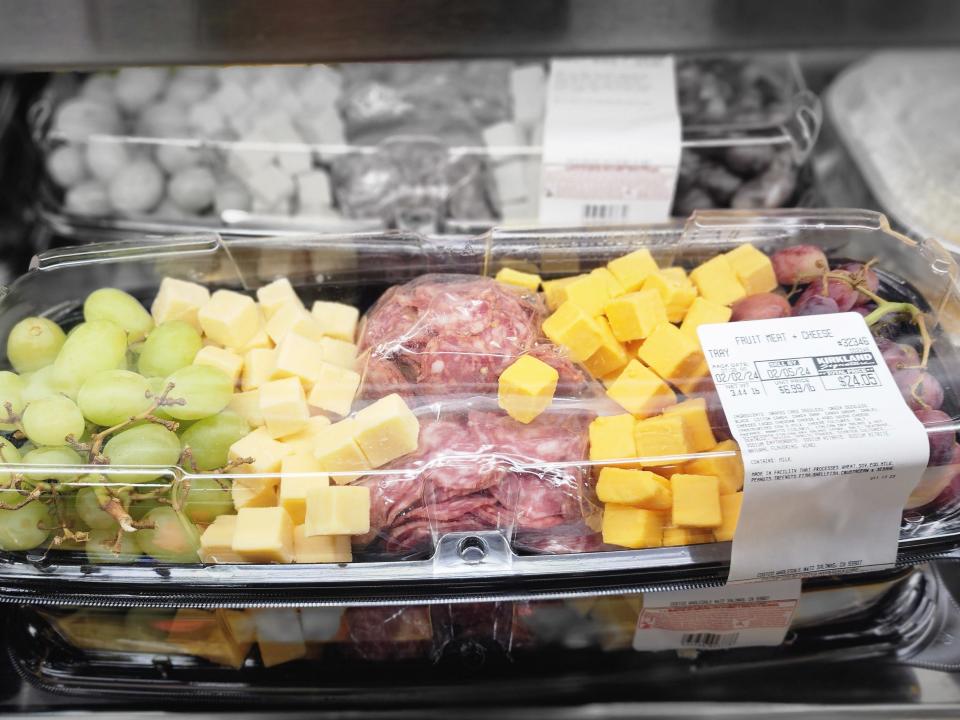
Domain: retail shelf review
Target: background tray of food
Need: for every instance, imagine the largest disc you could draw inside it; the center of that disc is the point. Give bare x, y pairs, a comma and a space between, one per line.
460, 436
299, 654
429, 146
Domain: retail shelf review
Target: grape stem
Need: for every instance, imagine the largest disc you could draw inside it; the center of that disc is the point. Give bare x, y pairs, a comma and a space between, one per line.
113, 507
34, 495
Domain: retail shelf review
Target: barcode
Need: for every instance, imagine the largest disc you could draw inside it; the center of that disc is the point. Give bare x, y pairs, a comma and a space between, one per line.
597, 211
709, 640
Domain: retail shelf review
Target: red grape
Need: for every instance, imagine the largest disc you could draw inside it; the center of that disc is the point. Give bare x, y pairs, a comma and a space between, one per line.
761, 306
920, 389
897, 355
941, 434
798, 264
872, 282
840, 290
815, 305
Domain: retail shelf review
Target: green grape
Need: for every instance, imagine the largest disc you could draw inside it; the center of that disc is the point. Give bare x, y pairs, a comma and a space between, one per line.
210, 439
113, 396
25, 528
143, 445
121, 309
171, 346
157, 386
90, 348
172, 539
59, 456
50, 420
206, 390
207, 499
139, 508
11, 391
8, 455
90, 512
100, 547
39, 385
34, 342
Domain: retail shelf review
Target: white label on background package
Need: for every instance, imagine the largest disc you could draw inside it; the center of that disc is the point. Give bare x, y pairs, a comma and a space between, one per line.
745, 615
830, 449
611, 142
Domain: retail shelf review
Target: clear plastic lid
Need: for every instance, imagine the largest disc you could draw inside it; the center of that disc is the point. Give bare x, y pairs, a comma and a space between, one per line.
422, 146
467, 434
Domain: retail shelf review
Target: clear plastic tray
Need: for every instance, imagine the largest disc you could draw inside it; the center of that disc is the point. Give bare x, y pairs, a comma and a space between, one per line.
893, 112
467, 515
425, 146
297, 655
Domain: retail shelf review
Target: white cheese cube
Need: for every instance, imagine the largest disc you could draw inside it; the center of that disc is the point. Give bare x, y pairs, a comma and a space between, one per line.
260, 340
336, 320
216, 543
338, 452
298, 357
279, 635
321, 549
338, 510
270, 185
324, 127
322, 624
294, 160
277, 293
230, 318
386, 430
247, 406
246, 159
289, 318
254, 492
206, 119
313, 190
258, 367
230, 99
319, 87
179, 300
338, 352
260, 447
305, 441
283, 406
230, 363
264, 534
300, 474
334, 389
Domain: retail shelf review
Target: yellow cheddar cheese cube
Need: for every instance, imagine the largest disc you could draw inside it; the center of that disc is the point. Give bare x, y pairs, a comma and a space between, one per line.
677, 295
610, 356
588, 292
283, 405
179, 300
665, 516
640, 391
697, 379
527, 281
697, 422
634, 316
275, 295
258, 367
386, 430
336, 320
279, 635
338, 452
673, 536
677, 274
696, 501
260, 341
337, 352
254, 492
334, 389
230, 318
292, 317
216, 543
727, 466
632, 270
716, 281
575, 329
611, 437
525, 389
633, 348
663, 436
300, 474
610, 378
264, 534
305, 441
670, 353
614, 288
703, 312
631, 527
753, 269
247, 406
639, 488
553, 291
338, 510
321, 548
227, 361
265, 452
730, 506
297, 357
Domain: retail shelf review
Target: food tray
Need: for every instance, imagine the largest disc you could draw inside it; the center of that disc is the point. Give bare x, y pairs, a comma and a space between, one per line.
454, 557
519, 648
451, 147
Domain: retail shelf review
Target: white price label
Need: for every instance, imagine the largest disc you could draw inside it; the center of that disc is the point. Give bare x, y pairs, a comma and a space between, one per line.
830, 449
747, 615
611, 142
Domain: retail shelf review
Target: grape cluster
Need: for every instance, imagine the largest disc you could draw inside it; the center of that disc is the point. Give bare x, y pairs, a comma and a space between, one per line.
119, 393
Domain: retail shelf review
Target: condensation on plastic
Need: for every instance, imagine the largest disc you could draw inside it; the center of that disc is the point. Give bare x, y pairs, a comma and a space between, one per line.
484, 497
426, 146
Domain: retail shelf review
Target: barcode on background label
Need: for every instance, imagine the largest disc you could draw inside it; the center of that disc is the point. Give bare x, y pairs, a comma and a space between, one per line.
593, 212
709, 640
